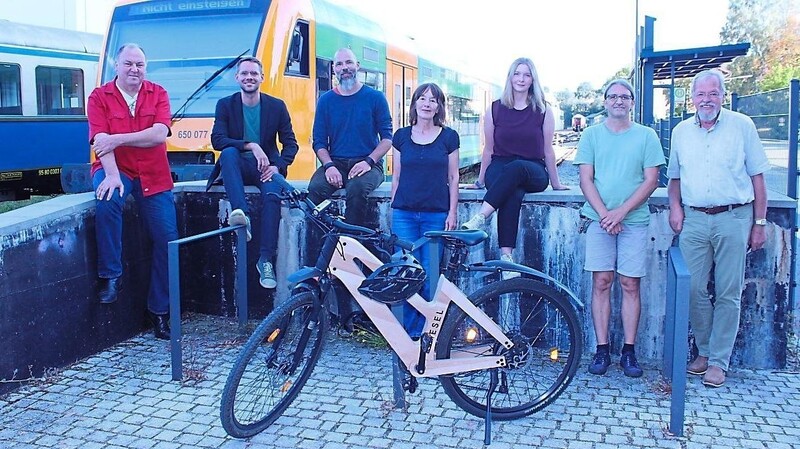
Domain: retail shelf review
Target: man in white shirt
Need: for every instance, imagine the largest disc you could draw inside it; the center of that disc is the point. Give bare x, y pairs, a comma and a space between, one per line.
718, 204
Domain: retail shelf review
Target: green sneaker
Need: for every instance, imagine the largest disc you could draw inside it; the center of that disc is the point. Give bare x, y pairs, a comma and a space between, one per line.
266, 274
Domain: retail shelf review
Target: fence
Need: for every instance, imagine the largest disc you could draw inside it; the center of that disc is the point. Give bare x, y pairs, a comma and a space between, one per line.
771, 113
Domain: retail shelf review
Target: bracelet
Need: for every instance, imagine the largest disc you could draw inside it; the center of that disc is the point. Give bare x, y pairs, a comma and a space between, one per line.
369, 161
479, 184
327, 165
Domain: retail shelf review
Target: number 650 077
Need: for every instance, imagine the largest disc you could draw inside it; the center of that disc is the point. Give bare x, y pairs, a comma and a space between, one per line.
188, 134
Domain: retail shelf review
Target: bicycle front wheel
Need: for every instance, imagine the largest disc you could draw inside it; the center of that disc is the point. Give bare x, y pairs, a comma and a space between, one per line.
273, 366
547, 339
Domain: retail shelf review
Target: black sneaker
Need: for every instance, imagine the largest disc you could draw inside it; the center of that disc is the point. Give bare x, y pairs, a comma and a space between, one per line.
629, 365
600, 363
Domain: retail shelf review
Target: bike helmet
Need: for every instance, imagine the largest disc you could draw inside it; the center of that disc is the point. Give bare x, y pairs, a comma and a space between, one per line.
394, 282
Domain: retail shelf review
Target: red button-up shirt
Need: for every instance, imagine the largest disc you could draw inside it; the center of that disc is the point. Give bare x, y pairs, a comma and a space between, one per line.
108, 113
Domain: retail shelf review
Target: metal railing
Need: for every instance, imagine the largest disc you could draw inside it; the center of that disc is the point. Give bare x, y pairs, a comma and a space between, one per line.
676, 343
240, 288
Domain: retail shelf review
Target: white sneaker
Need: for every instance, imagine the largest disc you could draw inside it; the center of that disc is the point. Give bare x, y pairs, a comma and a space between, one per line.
237, 217
476, 222
508, 274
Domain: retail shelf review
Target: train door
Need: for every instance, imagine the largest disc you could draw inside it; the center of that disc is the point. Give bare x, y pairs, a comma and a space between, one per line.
402, 81
401, 84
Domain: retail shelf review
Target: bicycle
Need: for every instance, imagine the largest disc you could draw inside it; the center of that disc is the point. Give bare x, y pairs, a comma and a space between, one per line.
507, 351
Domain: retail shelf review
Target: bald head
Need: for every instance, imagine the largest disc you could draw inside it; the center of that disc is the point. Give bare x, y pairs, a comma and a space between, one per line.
345, 67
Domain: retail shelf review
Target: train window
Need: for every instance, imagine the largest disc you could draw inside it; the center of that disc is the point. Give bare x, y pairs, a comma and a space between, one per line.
59, 91
375, 80
298, 62
324, 76
371, 54
10, 91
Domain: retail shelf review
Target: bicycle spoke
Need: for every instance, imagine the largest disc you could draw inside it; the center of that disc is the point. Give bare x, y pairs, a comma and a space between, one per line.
274, 364
546, 351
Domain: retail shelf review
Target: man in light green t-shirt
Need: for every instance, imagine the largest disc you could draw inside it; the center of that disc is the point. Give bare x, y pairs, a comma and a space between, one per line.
618, 162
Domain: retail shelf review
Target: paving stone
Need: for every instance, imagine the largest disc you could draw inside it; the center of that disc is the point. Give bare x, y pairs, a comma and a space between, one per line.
124, 398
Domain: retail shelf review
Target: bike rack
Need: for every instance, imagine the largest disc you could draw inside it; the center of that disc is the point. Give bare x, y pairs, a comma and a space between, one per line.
174, 272
434, 247
676, 345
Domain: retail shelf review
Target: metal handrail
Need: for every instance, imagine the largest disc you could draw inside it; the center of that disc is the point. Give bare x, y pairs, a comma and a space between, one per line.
174, 272
676, 343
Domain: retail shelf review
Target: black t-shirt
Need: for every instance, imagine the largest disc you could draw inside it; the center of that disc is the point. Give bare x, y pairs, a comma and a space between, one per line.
423, 183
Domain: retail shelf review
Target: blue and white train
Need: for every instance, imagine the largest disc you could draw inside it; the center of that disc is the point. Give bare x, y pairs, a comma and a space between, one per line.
46, 75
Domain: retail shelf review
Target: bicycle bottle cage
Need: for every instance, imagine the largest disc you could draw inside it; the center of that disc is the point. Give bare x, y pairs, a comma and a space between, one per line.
394, 282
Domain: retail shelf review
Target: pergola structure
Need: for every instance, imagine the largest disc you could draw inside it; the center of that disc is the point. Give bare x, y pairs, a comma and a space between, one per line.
669, 65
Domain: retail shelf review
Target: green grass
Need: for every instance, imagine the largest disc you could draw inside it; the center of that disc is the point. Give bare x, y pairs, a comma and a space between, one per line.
7, 206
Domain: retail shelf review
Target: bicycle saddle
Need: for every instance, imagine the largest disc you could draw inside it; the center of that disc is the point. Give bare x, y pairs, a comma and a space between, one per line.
468, 237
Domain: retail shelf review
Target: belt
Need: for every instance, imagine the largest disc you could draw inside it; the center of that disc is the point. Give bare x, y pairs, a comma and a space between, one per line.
717, 209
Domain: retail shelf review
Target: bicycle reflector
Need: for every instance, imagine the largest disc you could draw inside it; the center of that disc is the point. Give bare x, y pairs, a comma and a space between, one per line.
394, 282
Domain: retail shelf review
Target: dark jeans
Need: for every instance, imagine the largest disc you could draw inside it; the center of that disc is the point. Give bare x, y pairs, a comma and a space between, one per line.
358, 189
157, 213
239, 169
508, 179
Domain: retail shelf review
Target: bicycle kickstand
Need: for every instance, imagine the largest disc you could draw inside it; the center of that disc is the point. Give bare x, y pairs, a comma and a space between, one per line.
487, 433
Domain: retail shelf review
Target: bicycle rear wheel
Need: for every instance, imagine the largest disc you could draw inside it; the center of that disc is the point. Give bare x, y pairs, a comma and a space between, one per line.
547, 348
273, 366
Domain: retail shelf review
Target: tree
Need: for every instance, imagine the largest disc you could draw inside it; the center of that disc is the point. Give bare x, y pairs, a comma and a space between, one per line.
783, 57
586, 100
766, 25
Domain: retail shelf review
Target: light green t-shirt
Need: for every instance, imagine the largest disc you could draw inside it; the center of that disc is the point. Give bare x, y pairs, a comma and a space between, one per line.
619, 161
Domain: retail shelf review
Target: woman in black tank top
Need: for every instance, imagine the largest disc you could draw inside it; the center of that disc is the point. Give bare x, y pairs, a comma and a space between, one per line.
518, 156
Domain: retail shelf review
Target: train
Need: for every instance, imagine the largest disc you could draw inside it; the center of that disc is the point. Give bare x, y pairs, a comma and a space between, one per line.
192, 47
46, 75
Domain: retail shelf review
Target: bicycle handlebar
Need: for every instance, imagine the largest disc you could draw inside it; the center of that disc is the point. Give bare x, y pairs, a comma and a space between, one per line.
296, 197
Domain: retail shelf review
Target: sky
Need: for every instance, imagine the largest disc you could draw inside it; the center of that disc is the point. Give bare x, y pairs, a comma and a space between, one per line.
570, 42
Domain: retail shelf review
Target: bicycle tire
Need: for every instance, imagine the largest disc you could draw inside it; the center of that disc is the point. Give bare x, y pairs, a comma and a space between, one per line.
547, 348
262, 382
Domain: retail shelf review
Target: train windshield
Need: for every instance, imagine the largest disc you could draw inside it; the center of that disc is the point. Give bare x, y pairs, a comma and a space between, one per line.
186, 42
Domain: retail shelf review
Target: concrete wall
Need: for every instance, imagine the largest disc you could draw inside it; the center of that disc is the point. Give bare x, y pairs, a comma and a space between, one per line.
49, 316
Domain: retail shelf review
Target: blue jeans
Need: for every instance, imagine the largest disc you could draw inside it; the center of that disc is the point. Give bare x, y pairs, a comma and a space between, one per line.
240, 169
411, 226
157, 213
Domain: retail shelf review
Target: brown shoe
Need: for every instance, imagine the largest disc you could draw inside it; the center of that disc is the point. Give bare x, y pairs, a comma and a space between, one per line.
698, 366
714, 377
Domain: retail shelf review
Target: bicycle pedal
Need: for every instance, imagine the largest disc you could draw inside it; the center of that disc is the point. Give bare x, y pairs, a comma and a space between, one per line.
425, 343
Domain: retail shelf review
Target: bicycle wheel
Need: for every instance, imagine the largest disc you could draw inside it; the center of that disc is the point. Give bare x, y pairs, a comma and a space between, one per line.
273, 366
547, 339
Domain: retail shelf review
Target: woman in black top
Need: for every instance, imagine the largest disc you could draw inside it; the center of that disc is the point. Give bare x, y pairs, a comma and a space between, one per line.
424, 179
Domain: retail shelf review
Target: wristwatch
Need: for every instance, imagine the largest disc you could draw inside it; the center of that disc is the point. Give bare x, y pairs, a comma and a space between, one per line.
760, 221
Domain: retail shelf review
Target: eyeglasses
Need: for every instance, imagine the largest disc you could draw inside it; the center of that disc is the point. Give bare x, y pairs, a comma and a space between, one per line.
713, 95
623, 97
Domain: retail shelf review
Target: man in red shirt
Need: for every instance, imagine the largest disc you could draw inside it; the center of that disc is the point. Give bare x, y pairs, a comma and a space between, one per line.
129, 121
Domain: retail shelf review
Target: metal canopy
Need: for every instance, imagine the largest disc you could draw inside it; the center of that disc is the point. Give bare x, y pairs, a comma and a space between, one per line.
688, 62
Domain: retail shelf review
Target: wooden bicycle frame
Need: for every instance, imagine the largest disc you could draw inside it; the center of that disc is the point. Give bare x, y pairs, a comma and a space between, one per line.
344, 267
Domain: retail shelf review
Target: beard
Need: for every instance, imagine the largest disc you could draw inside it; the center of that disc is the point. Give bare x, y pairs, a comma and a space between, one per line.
708, 116
250, 89
349, 82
